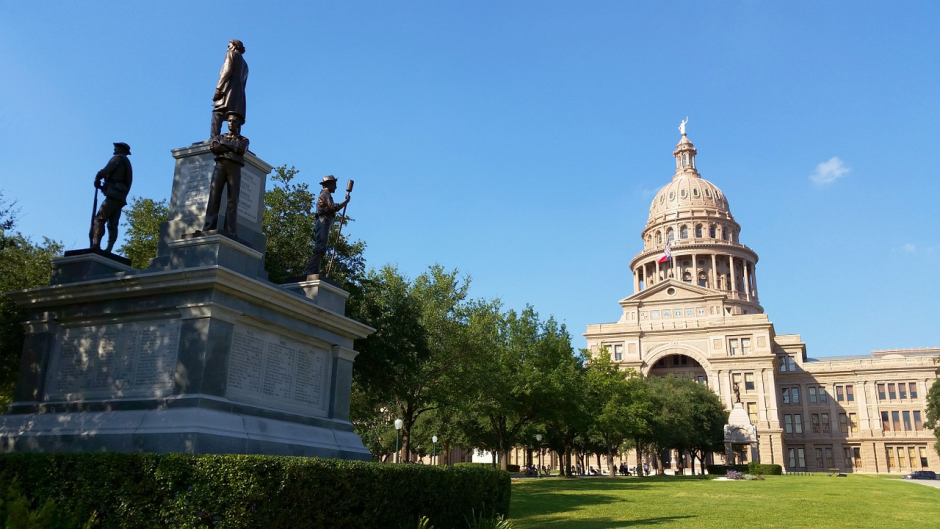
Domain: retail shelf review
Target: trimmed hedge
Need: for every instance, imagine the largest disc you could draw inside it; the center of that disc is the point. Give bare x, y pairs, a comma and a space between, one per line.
764, 470
243, 491
721, 470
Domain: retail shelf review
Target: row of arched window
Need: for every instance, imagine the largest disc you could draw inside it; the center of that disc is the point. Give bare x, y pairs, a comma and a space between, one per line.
715, 231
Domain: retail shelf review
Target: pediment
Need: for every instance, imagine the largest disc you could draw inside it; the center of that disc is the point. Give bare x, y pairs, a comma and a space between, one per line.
671, 291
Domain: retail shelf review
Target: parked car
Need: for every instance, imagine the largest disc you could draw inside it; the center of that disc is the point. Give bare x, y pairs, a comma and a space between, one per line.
921, 474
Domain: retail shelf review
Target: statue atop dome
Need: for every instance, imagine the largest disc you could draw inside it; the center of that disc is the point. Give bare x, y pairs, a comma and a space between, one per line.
682, 125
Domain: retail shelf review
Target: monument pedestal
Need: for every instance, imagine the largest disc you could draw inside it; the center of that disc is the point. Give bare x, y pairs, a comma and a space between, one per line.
739, 431
198, 353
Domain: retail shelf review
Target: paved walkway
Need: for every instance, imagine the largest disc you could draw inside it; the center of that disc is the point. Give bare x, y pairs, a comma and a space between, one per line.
930, 483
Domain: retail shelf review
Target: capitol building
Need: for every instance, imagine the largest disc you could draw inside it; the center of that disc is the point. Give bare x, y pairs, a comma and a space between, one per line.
698, 314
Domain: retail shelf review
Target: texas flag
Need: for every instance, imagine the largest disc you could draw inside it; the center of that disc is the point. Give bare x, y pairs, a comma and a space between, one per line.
667, 252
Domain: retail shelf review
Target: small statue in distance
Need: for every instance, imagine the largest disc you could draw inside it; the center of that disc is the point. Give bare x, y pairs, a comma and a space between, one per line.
115, 182
326, 212
229, 97
682, 125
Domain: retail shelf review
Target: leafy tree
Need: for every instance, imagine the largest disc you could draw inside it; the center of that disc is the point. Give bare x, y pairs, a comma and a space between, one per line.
142, 220
408, 366
23, 264
933, 411
519, 363
619, 404
690, 416
289, 214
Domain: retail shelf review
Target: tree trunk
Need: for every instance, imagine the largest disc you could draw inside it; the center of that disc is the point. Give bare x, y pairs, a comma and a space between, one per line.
610, 462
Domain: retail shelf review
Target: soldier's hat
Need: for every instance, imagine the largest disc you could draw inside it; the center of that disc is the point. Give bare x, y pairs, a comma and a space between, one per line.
327, 179
123, 145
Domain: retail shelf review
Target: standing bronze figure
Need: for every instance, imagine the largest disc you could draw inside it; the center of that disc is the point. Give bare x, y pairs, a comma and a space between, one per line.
326, 212
229, 150
115, 182
229, 97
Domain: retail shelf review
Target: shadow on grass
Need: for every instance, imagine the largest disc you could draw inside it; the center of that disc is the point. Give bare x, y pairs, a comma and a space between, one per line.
550, 497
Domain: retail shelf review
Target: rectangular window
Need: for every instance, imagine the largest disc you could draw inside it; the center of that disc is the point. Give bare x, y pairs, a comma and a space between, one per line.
745, 346
749, 382
857, 456
618, 352
788, 424
881, 392
913, 387
752, 412
735, 380
853, 423
824, 419
923, 457
902, 390
911, 458
840, 394
906, 416
829, 461
885, 423
843, 423
890, 452
797, 457
820, 462
732, 346
847, 457
812, 394
823, 396
785, 395
814, 419
798, 423
896, 421
918, 426
795, 395
892, 394
850, 393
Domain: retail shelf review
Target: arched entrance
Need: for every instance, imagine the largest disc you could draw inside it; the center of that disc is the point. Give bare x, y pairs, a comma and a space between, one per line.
676, 363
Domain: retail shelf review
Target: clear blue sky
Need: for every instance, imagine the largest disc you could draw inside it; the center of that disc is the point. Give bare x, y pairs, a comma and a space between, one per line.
522, 142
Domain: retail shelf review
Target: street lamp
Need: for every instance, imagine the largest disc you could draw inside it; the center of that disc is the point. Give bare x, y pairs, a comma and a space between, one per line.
434, 440
398, 423
538, 437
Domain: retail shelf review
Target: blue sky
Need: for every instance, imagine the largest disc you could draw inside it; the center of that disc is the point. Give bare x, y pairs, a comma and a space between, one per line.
522, 142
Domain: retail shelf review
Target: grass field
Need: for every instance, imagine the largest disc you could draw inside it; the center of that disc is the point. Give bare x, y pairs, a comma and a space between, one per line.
779, 501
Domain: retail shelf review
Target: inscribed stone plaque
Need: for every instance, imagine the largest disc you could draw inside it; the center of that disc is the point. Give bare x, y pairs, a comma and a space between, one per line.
249, 196
271, 371
193, 190
114, 361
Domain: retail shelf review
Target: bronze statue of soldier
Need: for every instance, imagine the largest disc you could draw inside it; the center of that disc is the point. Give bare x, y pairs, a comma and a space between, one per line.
229, 98
115, 182
229, 150
326, 212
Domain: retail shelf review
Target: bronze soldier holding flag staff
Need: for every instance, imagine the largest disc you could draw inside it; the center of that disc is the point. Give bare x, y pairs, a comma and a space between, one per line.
115, 182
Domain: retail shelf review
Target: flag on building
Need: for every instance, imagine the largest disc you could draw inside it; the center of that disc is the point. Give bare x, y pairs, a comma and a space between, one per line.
667, 252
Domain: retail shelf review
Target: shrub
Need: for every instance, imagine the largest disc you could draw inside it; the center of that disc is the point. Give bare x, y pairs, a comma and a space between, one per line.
765, 470
723, 469
734, 474
242, 491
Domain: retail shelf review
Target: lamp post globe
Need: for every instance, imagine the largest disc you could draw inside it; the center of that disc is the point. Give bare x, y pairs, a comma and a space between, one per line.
398, 425
538, 437
434, 441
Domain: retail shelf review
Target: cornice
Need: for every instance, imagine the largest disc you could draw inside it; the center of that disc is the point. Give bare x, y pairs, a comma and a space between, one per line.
253, 291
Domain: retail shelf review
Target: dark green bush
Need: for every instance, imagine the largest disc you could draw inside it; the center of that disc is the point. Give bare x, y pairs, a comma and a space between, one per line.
721, 470
763, 469
233, 491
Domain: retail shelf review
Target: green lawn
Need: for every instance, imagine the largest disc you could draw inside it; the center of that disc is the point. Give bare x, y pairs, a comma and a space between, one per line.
779, 501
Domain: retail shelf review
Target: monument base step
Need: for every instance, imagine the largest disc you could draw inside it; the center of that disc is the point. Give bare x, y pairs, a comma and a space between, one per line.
189, 431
